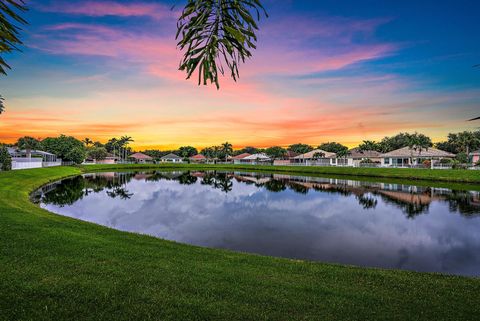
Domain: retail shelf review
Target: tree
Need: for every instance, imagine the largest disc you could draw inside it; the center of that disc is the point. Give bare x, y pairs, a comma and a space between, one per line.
248, 150
124, 141
9, 32
368, 145
217, 33
226, 150
5, 159
300, 148
318, 155
187, 151
398, 141
462, 142
418, 142
333, 147
87, 141
97, 153
28, 143
276, 152
468, 141
207, 152
68, 148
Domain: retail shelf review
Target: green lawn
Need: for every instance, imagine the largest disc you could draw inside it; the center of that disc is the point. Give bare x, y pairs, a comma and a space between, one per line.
436, 175
58, 268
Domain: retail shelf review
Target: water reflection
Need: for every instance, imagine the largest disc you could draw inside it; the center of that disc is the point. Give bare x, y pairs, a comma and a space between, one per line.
336, 220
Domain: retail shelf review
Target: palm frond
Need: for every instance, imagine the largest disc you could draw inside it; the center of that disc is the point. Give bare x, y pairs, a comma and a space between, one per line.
215, 33
2, 106
477, 118
9, 32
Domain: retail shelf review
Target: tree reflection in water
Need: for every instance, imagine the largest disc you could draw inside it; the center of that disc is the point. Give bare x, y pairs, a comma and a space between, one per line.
412, 200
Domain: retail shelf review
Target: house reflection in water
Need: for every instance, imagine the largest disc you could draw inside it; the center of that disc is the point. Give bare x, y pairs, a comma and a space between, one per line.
412, 200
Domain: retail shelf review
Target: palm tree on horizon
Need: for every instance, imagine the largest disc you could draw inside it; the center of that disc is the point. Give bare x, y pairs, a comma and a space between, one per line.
227, 149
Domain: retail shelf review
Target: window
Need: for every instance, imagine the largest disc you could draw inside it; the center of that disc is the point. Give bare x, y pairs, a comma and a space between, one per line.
386, 161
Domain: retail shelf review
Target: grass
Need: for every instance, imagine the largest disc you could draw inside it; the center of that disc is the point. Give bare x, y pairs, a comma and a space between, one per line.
436, 175
58, 268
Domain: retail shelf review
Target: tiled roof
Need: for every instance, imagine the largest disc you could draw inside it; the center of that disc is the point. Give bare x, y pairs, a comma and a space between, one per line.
357, 153
171, 156
257, 156
199, 156
424, 152
310, 155
241, 156
140, 156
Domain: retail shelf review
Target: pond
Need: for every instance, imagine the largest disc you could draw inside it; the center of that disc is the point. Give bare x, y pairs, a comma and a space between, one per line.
343, 221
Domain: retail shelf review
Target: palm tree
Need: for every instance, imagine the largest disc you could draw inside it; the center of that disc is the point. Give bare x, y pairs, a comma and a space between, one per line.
418, 142
28, 143
9, 32
87, 141
467, 140
217, 33
227, 149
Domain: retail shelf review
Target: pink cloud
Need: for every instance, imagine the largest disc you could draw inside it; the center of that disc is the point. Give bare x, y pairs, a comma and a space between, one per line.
111, 8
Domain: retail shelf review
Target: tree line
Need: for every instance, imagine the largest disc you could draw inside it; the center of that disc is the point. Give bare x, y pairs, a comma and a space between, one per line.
71, 149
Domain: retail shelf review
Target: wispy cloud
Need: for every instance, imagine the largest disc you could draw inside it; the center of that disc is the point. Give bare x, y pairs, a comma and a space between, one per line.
110, 8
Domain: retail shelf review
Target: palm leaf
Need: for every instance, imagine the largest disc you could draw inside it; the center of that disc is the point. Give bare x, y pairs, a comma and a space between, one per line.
2, 106
9, 31
217, 33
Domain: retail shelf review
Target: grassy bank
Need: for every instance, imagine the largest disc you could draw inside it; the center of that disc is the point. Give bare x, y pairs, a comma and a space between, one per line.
58, 268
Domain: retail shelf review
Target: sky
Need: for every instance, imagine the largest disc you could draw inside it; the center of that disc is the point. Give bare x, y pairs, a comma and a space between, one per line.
324, 71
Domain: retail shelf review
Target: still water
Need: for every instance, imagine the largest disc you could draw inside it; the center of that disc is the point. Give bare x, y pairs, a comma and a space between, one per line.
323, 219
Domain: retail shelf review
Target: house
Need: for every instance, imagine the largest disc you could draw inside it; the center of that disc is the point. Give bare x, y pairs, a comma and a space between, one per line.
475, 157
109, 159
356, 157
317, 157
171, 158
256, 159
141, 158
287, 159
239, 158
198, 159
406, 157
37, 159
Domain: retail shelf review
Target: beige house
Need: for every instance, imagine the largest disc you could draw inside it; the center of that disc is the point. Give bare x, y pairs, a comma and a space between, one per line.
141, 158
406, 157
356, 157
317, 157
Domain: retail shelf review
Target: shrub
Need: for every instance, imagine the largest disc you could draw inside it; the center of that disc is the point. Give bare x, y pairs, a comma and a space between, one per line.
5, 159
462, 158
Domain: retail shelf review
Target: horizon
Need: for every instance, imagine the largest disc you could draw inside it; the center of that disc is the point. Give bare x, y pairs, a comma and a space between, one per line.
343, 72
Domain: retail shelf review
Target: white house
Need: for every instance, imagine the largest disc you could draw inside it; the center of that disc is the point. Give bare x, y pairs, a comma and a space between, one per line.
38, 159
255, 159
316, 157
171, 158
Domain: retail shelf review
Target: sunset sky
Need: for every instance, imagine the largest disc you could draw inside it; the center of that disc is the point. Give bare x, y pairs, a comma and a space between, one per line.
324, 71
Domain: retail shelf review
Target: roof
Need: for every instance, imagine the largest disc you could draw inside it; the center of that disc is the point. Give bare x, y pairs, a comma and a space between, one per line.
198, 156
477, 152
257, 156
140, 156
310, 155
13, 150
171, 156
424, 152
358, 153
291, 154
241, 156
